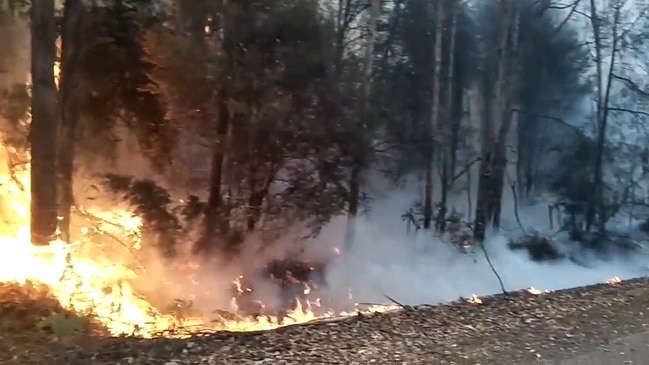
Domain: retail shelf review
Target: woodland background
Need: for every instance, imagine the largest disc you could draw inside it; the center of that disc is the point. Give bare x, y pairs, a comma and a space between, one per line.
256, 115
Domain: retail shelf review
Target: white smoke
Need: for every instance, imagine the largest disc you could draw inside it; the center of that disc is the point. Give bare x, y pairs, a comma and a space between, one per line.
420, 269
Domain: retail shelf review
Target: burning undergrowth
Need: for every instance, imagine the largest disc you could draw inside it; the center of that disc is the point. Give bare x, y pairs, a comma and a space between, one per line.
120, 270
130, 272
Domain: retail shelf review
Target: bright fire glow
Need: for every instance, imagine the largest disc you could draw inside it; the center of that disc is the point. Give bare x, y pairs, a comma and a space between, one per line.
475, 300
89, 281
614, 281
534, 291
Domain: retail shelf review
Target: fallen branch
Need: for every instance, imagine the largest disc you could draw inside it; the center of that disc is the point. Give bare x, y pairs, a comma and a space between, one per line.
512, 185
403, 306
493, 269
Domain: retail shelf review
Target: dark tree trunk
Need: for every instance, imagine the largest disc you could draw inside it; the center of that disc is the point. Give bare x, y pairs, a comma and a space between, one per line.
44, 123
500, 164
482, 212
193, 16
440, 221
73, 45
428, 194
215, 216
353, 202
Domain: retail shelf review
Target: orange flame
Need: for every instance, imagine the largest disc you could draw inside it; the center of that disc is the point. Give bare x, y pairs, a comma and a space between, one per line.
87, 280
534, 291
614, 281
474, 299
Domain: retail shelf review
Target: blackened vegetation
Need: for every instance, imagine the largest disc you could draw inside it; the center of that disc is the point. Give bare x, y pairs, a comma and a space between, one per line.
298, 282
539, 248
117, 71
165, 222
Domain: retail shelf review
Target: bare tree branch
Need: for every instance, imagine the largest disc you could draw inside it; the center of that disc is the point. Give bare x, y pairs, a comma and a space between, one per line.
624, 110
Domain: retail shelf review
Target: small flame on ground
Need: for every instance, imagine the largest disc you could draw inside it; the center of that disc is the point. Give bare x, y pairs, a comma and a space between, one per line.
614, 281
474, 299
534, 291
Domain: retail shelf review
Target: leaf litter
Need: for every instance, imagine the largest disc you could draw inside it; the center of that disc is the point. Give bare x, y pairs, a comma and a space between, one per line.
519, 328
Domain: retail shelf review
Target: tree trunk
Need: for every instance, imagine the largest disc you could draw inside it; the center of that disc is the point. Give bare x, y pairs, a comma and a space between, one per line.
44, 123
216, 217
494, 128
449, 149
354, 204
343, 19
193, 16
527, 147
596, 204
435, 112
359, 157
510, 103
256, 200
73, 45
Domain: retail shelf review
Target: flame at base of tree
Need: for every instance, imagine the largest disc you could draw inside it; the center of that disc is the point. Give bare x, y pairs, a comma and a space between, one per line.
87, 278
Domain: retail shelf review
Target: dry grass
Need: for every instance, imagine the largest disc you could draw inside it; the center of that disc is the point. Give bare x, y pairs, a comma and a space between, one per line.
517, 329
33, 325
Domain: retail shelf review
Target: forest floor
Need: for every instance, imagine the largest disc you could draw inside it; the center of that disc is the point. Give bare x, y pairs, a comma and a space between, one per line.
599, 324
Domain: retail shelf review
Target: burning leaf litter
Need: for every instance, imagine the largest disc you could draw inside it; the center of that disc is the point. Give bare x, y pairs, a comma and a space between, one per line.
87, 281
474, 299
513, 329
614, 281
89, 278
534, 291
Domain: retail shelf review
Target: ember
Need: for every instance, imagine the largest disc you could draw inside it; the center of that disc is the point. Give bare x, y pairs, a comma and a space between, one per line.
614, 281
298, 282
474, 300
534, 291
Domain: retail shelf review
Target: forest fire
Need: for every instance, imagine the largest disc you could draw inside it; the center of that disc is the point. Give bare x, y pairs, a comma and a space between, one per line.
88, 281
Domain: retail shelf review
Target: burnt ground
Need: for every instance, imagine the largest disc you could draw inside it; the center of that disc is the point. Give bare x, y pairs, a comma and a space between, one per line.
600, 324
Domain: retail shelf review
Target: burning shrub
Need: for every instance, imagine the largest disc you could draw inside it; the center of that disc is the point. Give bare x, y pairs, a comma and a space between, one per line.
296, 281
539, 248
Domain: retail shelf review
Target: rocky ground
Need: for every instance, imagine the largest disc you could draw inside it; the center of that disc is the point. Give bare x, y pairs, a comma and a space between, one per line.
601, 324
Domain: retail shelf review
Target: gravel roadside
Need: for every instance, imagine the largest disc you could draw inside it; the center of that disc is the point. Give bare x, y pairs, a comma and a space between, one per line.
629, 350
563, 327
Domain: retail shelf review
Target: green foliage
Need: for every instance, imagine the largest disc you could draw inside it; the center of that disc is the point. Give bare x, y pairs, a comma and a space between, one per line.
152, 203
405, 78
116, 68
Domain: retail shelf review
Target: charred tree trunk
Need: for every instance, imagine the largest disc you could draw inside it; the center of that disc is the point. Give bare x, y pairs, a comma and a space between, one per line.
344, 18
44, 123
256, 201
483, 210
450, 148
496, 128
354, 204
216, 215
510, 103
73, 45
527, 146
359, 158
193, 15
456, 125
596, 205
435, 112
428, 192
499, 166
